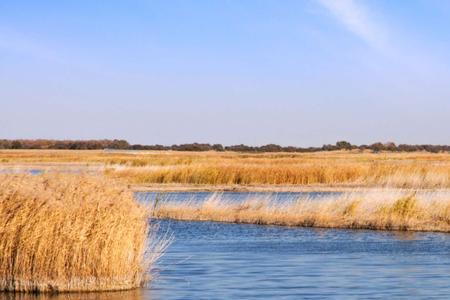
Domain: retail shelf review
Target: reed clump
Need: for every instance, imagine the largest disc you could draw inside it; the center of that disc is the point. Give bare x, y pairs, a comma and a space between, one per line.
381, 210
63, 233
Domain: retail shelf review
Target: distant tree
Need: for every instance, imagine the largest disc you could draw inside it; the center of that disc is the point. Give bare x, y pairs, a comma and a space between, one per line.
431, 148
270, 148
363, 147
377, 147
16, 145
123, 144
157, 147
137, 147
329, 147
218, 147
406, 148
5, 144
390, 146
240, 148
290, 149
119, 144
343, 145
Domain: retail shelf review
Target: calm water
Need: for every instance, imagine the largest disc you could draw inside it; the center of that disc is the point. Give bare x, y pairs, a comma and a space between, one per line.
19, 171
228, 261
209, 260
229, 196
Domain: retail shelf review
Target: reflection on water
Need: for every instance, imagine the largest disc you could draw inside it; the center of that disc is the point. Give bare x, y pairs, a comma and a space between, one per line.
229, 196
131, 295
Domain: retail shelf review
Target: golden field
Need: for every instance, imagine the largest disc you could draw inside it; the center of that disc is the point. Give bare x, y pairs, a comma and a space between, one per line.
63, 232
379, 210
351, 169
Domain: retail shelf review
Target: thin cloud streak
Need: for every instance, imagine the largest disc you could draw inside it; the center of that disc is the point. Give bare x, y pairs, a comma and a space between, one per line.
416, 63
356, 19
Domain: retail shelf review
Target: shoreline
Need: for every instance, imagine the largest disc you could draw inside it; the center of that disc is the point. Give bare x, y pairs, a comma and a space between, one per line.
267, 188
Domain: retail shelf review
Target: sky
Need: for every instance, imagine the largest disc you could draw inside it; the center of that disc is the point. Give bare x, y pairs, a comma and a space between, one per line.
302, 73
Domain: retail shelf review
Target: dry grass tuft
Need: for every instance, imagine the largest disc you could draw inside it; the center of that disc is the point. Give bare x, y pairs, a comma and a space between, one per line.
382, 209
63, 233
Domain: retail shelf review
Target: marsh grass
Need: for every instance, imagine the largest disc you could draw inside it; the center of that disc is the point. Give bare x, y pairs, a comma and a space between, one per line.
319, 174
64, 233
340, 168
382, 209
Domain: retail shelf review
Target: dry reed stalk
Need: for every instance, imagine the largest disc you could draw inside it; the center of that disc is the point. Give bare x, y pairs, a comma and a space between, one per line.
383, 210
64, 233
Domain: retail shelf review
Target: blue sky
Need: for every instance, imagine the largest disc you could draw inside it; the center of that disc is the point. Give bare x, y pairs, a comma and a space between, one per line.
254, 72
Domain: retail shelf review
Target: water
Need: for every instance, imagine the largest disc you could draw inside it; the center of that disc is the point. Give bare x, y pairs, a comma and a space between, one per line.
229, 261
20, 171
210, 260
229, 196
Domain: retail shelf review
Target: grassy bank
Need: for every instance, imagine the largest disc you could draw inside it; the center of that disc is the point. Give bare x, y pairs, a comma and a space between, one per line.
338, 169
381, 210
72, 233
330, 174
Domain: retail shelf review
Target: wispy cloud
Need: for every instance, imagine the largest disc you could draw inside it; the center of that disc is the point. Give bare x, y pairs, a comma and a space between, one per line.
357, 19
402, 53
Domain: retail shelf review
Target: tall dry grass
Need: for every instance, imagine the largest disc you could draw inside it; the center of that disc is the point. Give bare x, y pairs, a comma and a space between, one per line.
63, 233
340, 168
326, 174
382, 209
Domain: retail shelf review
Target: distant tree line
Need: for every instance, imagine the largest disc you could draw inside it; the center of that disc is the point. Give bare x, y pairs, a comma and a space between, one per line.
64, 144
124, 145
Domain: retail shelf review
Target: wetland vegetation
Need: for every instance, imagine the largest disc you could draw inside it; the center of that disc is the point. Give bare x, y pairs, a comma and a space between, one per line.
64, 232
416, 170
75, 224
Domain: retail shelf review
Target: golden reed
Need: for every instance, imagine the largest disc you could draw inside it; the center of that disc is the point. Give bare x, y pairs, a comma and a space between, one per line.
382, 209
416, 170
64, 233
